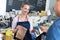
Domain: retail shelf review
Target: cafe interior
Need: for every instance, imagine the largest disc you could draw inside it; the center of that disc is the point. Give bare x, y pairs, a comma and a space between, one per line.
41, 13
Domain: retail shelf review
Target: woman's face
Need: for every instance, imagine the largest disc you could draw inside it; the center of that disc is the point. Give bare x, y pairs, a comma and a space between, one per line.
57, 8
25, 9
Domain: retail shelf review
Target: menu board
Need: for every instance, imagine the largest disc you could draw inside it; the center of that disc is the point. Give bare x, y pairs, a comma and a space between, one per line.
35, 4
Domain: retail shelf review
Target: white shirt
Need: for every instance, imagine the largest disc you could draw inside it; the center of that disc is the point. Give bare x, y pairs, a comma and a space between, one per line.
15, 20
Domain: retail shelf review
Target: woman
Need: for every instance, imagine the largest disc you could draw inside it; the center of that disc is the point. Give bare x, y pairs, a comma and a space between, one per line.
23, 20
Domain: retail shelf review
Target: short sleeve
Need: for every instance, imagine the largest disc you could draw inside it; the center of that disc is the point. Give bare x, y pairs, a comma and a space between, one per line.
14, 22
31, 24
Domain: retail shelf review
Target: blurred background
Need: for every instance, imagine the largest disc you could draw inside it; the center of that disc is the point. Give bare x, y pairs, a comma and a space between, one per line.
41, 12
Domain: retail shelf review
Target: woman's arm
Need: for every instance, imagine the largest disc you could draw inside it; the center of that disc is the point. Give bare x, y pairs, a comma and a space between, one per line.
31, 25
14, 23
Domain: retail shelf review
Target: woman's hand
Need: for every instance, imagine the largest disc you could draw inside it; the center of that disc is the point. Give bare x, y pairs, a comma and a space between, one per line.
43, 29
19, 27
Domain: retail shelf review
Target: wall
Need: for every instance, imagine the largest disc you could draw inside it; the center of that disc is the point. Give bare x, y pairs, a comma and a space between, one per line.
2, 7
47, 5
51, 6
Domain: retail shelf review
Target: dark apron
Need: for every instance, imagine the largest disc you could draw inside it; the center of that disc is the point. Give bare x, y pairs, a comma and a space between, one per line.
25, 24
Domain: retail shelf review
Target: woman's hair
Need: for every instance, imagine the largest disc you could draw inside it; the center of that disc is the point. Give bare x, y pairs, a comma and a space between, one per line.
25, 3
